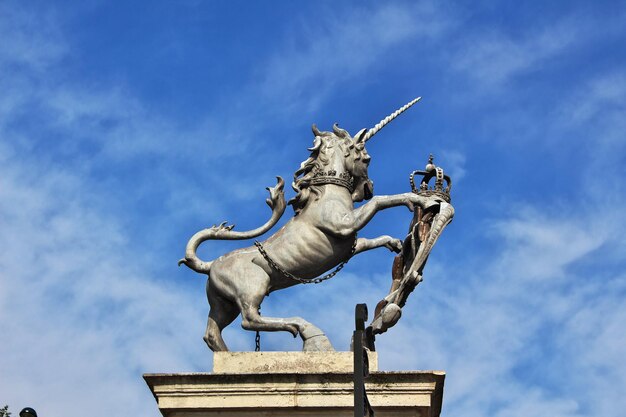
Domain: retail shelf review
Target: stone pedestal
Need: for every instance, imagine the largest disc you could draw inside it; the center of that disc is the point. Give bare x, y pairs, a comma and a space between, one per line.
281, 384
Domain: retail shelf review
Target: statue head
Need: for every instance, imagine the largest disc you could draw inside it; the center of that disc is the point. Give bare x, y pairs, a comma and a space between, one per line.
357, 164
340, 159
336, 158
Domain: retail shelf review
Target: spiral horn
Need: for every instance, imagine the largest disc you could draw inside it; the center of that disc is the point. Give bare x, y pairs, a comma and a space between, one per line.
388, 119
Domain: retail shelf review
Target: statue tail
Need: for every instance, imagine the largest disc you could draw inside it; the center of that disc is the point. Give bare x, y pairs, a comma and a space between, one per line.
226, 232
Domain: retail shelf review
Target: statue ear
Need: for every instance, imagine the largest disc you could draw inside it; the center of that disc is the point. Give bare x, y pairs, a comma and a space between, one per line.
359, 136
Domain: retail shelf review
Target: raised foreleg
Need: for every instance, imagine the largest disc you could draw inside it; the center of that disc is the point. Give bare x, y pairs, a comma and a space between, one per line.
394, 245
362, 215
342, 224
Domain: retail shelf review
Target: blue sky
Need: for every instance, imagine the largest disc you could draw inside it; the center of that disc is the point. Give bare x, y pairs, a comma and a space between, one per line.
125, 128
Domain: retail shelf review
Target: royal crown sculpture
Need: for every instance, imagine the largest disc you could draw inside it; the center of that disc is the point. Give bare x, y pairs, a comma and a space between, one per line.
320, 237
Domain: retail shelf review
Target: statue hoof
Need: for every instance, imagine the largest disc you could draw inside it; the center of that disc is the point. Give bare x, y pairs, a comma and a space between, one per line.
314, 339
319, 343
390, 315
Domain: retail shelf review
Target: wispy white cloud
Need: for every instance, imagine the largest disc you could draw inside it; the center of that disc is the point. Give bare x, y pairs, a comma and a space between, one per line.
453, 162
492, 57
534, 402
599, 109
80, 315
86, 128
602, 94
346, 46
74, 292
544, 245
505, 330
30, 38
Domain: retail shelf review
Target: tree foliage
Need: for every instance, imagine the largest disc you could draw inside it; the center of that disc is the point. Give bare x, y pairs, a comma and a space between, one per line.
4, 411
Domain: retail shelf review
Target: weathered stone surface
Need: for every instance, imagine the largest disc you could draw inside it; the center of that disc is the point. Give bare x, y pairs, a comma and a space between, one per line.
396, 394
287, 362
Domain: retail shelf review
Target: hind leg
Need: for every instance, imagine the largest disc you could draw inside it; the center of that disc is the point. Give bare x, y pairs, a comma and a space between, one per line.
314, 339
221, 314
249, 295
246, 283
252, 320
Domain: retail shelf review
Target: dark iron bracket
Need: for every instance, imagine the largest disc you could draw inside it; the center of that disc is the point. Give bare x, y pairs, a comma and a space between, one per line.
362, 407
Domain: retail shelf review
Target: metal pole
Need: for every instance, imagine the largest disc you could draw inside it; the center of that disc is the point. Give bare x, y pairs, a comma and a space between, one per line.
360, 316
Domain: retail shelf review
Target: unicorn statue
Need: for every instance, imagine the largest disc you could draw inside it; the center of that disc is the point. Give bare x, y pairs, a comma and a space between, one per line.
321, 236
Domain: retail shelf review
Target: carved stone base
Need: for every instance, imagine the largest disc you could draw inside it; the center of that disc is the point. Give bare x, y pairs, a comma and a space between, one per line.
302, 384
287, 362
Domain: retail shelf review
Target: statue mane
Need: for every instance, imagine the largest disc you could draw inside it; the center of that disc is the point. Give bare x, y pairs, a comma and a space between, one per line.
316, 162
